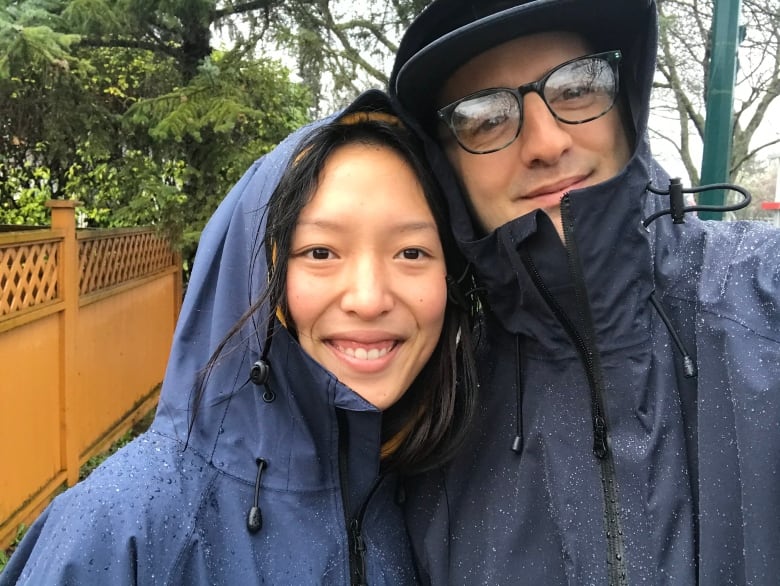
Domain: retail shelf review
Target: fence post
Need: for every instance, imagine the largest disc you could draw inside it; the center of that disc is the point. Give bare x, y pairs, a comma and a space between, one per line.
63, 217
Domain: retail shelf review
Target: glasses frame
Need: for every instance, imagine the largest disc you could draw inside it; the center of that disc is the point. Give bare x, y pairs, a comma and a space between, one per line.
537, 87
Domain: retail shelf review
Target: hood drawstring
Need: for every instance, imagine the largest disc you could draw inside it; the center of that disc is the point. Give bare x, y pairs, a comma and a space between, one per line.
689, 366
677, 208
254, 520
259, 375
517, 443
261, 370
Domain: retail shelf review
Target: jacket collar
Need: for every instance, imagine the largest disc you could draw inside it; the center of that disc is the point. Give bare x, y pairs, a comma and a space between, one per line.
290, 421
609, 248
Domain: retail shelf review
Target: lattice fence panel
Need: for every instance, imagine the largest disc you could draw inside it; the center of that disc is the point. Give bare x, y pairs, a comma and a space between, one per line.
28, 275
106, 262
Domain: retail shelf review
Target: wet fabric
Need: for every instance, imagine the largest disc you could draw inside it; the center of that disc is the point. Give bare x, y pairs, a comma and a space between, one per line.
696, 460
157, 513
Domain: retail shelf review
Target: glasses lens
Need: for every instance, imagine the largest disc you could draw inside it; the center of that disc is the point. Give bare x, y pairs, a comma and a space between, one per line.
487, 122
582, 90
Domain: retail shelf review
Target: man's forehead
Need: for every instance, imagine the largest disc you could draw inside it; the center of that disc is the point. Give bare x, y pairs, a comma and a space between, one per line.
513, 63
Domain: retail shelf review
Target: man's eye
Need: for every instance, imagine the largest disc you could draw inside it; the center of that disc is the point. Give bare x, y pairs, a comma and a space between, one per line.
575, 92
492, 123
574, 95
485, 124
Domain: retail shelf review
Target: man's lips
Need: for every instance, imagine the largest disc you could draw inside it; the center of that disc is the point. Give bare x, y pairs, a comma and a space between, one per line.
555, 189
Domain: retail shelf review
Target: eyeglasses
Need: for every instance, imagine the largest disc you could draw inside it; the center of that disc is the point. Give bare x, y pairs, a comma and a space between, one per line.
575, 92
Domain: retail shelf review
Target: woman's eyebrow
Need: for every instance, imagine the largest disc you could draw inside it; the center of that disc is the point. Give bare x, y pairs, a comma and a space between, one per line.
416, 226
335, 225
324, 224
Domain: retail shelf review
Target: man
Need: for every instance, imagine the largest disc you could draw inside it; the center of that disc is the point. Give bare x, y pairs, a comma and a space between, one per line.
629, 430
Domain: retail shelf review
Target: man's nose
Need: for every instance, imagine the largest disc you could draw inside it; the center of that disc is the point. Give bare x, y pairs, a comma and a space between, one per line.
367, 290
542, 140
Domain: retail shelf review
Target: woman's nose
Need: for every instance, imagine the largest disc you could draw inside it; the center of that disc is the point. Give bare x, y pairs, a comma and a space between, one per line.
367, 291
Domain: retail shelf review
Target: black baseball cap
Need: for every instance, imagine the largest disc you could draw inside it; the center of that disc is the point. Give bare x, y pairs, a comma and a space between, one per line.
449, 33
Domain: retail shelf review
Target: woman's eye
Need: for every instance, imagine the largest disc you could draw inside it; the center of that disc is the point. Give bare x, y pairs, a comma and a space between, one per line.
318, 253
412, 254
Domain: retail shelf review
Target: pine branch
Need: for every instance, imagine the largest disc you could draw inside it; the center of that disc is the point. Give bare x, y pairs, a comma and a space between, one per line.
131, 44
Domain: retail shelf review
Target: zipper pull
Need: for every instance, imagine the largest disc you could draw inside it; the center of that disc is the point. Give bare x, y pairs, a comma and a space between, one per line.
358, 553
358, 545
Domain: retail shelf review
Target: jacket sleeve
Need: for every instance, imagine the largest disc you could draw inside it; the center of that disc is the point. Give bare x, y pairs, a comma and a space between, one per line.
127, 524
61, 548
12, 571
738, 406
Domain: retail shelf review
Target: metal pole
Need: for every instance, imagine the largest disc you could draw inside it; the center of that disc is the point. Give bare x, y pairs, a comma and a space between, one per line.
716, 159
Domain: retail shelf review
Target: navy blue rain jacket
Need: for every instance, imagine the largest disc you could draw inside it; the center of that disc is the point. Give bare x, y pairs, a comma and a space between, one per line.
623, 470
157, 513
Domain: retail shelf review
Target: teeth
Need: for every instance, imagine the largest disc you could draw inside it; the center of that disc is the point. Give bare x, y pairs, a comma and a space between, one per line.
363, 354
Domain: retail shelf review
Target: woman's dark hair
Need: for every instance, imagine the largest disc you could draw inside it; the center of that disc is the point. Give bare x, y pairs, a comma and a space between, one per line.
429, 422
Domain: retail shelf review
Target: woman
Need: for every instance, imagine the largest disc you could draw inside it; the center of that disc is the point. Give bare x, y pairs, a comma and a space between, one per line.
323, 350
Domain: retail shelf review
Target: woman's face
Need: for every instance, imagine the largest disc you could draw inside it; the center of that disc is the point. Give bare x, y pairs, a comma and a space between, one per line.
366, 276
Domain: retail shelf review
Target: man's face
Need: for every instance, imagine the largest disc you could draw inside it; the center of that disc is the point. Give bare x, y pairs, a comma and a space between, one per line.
548, 158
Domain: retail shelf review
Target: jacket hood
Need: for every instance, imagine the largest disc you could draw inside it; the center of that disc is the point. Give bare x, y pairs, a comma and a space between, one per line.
426, 58
233, 424
607, 215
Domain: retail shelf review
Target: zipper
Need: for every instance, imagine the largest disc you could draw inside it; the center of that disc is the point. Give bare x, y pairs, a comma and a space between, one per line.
585, 346
354, 525
357, 553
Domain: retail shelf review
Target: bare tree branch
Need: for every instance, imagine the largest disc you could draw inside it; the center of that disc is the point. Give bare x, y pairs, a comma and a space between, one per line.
233, 9
684, 67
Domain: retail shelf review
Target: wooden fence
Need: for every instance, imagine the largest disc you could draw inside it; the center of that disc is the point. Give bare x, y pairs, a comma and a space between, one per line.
86, 323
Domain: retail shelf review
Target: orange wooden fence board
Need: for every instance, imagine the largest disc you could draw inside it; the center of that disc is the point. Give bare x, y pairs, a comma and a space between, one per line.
86, 322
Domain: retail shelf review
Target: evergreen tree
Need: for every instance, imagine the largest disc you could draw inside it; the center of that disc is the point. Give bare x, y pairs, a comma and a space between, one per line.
129, 108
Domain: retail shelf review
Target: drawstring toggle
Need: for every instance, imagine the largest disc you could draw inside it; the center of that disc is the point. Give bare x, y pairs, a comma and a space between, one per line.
254, 520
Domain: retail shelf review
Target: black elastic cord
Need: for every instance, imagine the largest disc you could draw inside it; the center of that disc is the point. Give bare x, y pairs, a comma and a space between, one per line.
689, 366
677, 208
261, 369
254, 520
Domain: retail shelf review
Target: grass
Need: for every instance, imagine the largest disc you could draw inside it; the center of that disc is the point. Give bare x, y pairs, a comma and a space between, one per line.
6, 554
140, 426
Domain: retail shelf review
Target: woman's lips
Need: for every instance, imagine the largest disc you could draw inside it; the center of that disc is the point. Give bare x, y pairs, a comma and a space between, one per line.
362, 356
362, 353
